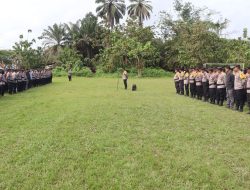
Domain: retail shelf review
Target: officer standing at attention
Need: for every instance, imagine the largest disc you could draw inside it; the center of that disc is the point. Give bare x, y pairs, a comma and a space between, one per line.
212, 86
192, 83
125, 79
248, 88
186, 82
205, 84
239, 82
2, 83
198, 82
181, 81
221, 87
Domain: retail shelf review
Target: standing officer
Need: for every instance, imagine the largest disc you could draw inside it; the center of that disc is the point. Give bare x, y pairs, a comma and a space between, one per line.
212, 86
221, 87
198, 82
205, 84
192, 83
176, 81
125, 79
181, 81
2, 83
248, 88
239, 88
186, 82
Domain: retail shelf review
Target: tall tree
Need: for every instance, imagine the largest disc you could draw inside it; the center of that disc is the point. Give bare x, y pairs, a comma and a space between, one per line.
54, 37
140, 9
111, 11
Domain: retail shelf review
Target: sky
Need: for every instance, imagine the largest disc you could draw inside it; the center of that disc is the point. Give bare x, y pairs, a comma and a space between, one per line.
17, 16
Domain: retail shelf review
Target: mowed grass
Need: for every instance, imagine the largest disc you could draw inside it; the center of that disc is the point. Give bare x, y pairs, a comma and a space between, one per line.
88, 135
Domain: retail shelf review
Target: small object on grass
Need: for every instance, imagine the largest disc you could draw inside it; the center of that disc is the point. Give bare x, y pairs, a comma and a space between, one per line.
134, 87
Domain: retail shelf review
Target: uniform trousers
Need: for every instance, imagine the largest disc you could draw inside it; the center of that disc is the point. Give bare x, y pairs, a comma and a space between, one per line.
181, 84
177, 87
220, 95
239, 99
192, 90
212, 95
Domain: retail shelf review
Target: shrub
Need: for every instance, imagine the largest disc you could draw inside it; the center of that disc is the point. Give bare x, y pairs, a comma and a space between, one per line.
152, 72
84, 72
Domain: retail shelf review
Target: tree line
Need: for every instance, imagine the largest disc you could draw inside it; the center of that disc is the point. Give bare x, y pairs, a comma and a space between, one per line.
189, 37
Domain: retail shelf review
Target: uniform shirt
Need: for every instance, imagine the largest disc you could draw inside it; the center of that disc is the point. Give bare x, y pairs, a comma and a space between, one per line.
198, 79
125, 75
205, 77
248, 84
181, 76
176, 77
239, 81
192, 78
221, 80
186, 78
212, 80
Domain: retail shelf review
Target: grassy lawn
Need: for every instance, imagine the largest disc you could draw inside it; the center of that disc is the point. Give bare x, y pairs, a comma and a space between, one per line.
88, 135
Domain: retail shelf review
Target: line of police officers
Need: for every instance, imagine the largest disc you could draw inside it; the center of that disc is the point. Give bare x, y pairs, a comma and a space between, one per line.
13, 81
215, 85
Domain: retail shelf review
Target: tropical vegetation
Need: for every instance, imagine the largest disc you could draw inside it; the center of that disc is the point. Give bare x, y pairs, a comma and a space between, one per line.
117, 37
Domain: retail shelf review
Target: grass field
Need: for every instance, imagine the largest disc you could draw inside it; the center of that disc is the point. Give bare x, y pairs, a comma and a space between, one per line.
88, 135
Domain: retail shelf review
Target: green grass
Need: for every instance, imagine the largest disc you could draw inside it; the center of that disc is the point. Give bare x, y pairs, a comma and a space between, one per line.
88, 135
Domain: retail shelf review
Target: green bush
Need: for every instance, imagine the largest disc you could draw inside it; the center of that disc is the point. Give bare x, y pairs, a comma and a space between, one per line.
152, 72
84, 72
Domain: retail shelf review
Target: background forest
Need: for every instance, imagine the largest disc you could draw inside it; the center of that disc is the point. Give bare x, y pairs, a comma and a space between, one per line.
115, 37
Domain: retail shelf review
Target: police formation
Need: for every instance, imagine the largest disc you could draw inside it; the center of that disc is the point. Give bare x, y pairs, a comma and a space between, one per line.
216, 85
15, 81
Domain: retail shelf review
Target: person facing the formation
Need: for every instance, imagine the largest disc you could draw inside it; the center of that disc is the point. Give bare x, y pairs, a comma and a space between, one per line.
239, 82
125, 79
176, 81
70, 75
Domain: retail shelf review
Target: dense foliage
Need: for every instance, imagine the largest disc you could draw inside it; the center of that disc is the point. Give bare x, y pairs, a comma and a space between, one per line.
188, 37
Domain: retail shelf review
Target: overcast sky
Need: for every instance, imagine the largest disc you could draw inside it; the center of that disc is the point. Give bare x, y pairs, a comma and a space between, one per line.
17, 16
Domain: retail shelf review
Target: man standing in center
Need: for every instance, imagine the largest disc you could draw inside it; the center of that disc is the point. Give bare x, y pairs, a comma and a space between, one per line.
125, 79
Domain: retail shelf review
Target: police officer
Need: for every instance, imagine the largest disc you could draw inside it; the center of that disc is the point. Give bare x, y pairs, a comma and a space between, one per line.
192, 83
205, 84
198, 83
181, 81
248, 88
186, 82
2, 82
176, 81
212, 86
221, 87
239, 81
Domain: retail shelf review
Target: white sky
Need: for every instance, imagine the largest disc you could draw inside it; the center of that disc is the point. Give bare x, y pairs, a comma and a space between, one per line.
17, 16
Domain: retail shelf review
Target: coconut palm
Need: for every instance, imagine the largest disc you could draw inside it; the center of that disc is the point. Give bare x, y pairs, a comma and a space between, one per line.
54, 37
111, 11
140, 9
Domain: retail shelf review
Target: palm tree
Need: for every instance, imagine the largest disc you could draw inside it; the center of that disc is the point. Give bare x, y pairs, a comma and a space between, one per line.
82, 35
54, 37
140, 9
111, 11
